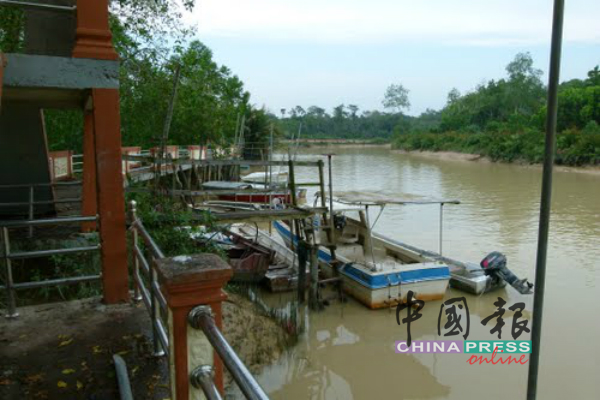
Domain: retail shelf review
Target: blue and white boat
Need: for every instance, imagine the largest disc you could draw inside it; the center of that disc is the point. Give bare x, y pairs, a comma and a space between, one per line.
376, 270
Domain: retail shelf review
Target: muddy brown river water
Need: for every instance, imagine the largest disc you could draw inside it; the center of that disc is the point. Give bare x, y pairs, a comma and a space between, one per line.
347, 351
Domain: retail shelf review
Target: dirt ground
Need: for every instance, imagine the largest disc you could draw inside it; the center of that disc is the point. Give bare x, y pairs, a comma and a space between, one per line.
64, 350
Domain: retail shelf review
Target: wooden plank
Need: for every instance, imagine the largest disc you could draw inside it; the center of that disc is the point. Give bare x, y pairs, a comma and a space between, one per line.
260, 215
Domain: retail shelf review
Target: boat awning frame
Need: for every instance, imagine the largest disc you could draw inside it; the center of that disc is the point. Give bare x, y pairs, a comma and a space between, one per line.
381, 199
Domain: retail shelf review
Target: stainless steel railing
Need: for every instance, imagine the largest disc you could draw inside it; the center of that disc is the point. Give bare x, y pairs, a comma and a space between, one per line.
150, 293
11, 287
31, 202
201, 318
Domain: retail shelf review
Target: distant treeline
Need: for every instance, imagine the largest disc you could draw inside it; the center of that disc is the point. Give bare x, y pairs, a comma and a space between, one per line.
503, 119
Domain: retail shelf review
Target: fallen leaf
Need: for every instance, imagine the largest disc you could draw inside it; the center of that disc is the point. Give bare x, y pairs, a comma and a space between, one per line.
65, 342
5, 382
97, 349
126, 337
135, 370
61, 384
122, 353
42, 394
79, 385
34, 378
68, 371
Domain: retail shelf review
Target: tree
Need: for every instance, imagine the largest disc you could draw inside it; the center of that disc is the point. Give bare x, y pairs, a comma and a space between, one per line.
299, 111
339, 113
396, 98
521, 68
314, 111
593, 77
453, 96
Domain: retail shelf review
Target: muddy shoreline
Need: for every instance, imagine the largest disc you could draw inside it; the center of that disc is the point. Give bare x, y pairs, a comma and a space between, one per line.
469, 157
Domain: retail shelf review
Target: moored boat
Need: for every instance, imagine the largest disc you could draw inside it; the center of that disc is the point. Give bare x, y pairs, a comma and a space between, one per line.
375, 270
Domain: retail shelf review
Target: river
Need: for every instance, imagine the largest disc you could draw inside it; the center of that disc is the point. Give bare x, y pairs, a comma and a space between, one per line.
347, 350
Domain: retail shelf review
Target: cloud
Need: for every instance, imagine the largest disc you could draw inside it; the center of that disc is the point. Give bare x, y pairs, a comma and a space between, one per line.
467, 22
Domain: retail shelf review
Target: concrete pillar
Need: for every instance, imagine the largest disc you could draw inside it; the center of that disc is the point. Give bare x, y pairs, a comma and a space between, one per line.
110, 196
90, 204
187, 282
93, 38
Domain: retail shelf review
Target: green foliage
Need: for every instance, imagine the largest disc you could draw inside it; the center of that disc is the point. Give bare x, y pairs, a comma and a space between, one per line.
171, 224
12, 22
345, 122
505, 119
152, 41
396, 98
574, 147
55, 267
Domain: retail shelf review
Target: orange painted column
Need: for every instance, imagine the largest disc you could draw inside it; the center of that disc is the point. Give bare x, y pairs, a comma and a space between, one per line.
90, 204
188, 282
110, 194
93, 38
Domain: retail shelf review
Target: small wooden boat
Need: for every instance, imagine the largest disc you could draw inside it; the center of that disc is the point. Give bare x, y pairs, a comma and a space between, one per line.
249, 260
282, 275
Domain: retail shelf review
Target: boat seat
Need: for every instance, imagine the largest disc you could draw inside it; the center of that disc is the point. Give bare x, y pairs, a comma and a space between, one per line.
353, 252
349, 235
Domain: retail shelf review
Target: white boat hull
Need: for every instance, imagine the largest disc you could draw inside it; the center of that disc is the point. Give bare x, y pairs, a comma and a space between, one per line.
379, 289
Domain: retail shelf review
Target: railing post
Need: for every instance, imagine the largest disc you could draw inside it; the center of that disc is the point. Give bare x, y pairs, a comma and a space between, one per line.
137, 296
31, 199
10, 291
189, 281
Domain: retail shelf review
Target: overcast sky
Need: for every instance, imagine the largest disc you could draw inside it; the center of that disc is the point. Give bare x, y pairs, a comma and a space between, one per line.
328, 52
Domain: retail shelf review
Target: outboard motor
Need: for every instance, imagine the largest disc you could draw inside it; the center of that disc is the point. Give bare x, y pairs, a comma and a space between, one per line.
494, 264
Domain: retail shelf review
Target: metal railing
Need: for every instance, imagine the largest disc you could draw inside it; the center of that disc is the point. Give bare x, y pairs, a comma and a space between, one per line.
77, 163
31, 203
11, 287
150, 294
38, 6
201, 318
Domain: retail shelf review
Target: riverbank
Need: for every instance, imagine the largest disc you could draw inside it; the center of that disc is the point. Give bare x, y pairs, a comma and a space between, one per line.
574, 148
470, 157
339, 143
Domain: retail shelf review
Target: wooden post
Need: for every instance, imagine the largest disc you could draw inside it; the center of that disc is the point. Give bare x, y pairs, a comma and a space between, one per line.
302, 258
90, 204
189, 281
313, 299
110, 196
292, 183
326, 225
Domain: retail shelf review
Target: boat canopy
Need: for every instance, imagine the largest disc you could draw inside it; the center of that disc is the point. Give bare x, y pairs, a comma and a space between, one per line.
223, 185
263, 177
382, 198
